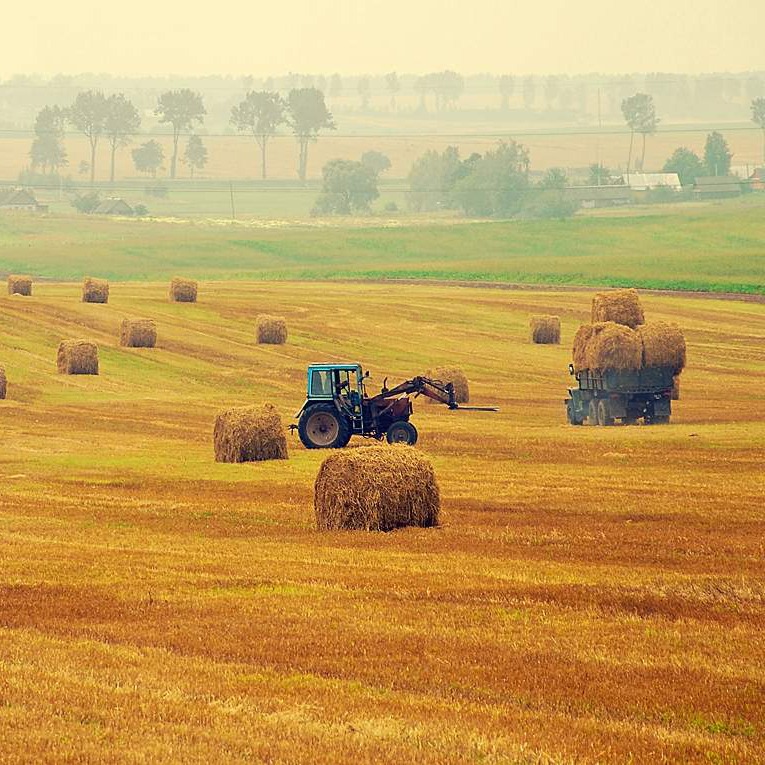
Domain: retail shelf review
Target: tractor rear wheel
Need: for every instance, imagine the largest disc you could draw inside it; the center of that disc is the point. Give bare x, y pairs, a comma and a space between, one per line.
321, 426
592, 412
402, 432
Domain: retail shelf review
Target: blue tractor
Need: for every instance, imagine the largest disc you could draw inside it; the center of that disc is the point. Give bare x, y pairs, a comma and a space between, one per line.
337, 407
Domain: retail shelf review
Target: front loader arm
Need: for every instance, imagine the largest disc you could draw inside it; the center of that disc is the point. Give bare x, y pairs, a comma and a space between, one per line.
443, 393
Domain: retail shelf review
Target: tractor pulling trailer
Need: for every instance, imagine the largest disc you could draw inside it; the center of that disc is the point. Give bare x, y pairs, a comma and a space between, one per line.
337, 407
602, 397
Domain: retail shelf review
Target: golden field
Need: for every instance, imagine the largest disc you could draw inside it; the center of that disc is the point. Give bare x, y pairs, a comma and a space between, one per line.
593, 594
238, 156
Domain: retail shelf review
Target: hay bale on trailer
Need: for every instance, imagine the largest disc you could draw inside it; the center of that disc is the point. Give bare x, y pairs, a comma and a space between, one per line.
379, 488
621, 306
77, 357
3, 383
138, 333
183, 290
545, 329
249, 434
19, 285
581, 345
270, 330
95, 290
614, 346
663, 345
457, 378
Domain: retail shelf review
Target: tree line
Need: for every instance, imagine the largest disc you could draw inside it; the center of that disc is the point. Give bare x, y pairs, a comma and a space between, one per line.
116, 120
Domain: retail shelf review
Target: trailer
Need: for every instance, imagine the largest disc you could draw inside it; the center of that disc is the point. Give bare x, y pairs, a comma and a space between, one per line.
603, 396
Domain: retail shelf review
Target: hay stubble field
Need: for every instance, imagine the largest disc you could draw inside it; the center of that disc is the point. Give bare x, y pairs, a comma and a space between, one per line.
592, 595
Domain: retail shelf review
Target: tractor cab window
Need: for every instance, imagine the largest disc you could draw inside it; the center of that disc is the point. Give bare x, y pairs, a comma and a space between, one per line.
321, 385
343, 384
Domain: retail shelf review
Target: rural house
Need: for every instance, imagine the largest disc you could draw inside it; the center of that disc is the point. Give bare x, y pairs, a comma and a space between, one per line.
717, 187
648, 181
600, 196
113, 206
19, 199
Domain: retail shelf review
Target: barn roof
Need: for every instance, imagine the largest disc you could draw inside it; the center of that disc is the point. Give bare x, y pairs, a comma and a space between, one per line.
16, 197
113, 206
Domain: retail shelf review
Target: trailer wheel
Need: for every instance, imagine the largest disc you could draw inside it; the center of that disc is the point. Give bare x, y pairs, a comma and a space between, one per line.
592, 413
321, 426
661, 419
402, 432
604, 413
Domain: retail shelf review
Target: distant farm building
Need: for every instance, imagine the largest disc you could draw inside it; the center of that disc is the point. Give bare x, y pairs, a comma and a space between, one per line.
113, 206
600, 196
717, 187
648, 181
20, 199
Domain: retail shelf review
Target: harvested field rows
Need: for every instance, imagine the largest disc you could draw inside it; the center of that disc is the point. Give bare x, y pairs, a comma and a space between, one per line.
592, 595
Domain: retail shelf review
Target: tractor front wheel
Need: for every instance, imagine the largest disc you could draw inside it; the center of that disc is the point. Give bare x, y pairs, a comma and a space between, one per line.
321, 426
402, 432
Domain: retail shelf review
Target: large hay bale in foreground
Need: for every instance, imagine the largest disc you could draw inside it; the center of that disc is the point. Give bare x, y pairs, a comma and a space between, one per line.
77, 357
663, 345
19, 285
249, 434
138, 333
3, 383
270, 330
457, 378
545, 329
95, 290
379, 488
620, 306
183, 290
614, 346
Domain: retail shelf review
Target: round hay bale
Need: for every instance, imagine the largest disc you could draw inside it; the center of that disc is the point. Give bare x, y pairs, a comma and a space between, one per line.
19, 285
271, 330
95, 290
77, 357
663, 345
3, 383
183, 290
457, 378
614, 346
545, 329
620, 306
379, 488
249, 434
675, 388
581, 343
138, 333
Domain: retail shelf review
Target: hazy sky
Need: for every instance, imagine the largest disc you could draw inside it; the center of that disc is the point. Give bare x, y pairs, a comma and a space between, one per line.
377, 36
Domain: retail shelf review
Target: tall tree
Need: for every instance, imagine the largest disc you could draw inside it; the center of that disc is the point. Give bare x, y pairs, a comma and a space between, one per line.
261, 113
529, 92
47, 148
348, 187
506, 88
686, 164
335, 86
640, 115
195, 156
181, 109
392, 81
364, 88
552, 90
717, 154
88, 114
121, 124
148, 158
308, 116
758, 117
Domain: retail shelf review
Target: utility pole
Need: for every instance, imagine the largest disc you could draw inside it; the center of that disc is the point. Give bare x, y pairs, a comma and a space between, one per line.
231, 192
597, 150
